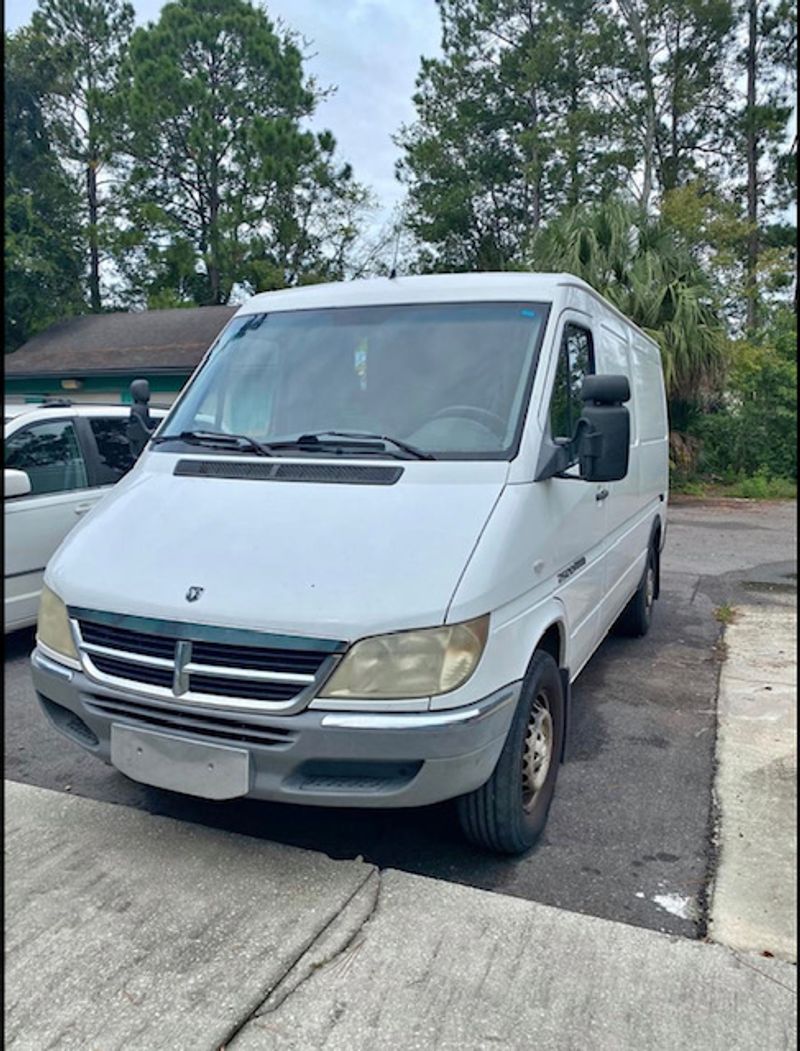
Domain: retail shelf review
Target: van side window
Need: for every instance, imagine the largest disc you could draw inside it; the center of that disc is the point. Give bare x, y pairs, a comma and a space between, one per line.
575, 360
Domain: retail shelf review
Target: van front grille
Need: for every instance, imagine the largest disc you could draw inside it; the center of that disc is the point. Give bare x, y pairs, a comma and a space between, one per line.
221, 666
198, 724
121, 639
258, 660
138, 672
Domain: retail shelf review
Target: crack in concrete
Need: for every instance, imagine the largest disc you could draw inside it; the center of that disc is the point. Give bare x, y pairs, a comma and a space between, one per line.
706, 891
336, 940
332, 943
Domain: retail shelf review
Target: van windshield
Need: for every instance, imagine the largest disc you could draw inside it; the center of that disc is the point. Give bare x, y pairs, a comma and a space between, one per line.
450, 380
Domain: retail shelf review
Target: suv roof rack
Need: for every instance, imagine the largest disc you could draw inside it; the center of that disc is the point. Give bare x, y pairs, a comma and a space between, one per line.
56, 403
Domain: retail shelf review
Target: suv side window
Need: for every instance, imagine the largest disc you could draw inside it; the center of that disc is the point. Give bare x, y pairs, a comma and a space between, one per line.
114, 452
50, 454
575, 360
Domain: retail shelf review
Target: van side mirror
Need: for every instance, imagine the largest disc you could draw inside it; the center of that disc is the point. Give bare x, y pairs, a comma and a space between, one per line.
601, 439
604, 429
16, 483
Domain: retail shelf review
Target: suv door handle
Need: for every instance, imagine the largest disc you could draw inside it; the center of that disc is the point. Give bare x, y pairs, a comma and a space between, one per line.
601, 494
81, 509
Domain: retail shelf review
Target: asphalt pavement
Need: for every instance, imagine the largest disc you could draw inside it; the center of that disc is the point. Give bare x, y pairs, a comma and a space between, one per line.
630, 835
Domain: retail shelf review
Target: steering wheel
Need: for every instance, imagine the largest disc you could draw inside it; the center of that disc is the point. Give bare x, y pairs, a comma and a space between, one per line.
496, 424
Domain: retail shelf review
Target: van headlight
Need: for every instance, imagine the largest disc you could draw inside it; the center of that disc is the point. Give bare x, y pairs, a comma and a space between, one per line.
410, 664
52, 627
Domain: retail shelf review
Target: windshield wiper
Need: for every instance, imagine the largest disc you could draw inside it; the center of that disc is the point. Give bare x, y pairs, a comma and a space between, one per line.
356, 439
218, 438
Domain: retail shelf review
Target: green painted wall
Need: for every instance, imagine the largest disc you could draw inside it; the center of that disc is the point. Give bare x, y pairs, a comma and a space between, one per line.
113, 388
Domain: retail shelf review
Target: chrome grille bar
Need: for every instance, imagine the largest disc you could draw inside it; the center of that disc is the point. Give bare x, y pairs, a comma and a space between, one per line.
249, 673
126, 655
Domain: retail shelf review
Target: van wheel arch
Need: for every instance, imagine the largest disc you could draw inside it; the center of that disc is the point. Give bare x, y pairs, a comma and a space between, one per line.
553, 642
655, 544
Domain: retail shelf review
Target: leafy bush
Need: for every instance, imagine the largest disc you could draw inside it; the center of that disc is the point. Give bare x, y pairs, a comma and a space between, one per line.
754, 432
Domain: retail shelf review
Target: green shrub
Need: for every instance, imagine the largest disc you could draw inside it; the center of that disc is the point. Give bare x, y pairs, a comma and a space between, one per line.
754, 433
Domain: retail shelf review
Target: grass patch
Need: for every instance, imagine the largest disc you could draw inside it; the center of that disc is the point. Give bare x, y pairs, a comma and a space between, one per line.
761, 487
687, 488
725, 614
755, 487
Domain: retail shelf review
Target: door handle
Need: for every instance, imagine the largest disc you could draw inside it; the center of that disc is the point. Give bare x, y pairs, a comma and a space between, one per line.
81, 509
601, 494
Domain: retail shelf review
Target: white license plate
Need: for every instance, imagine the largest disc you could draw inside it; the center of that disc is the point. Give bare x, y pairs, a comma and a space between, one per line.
163, 760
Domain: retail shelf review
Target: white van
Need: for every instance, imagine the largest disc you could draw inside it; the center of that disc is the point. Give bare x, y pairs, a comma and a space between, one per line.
379, 534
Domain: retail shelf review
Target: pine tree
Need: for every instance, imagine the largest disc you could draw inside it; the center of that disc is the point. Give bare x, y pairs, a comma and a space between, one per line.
768, 61
670, 88
225, 186
44, 266
82, 41
508, 129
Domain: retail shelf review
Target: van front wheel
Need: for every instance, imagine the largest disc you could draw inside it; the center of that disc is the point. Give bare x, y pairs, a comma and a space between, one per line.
508, 813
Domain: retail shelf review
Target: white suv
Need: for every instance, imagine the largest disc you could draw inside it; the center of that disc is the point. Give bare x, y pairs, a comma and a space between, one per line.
71, 456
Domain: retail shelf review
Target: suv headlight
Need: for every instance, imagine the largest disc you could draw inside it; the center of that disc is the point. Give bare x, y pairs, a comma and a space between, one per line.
410, 664
52, 627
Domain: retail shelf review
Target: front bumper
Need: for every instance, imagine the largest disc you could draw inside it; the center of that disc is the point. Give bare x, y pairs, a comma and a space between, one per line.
314, 757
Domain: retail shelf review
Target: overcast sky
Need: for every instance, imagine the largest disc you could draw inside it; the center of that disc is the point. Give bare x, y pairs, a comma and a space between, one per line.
368, 49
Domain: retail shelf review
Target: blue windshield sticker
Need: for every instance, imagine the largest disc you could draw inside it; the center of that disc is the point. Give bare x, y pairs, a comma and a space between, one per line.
360, 363
527, 312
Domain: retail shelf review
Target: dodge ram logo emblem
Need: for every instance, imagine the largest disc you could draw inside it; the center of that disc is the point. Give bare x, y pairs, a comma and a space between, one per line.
193, 594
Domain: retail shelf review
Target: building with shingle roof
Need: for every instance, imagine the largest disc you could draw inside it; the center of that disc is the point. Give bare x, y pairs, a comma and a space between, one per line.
96, 356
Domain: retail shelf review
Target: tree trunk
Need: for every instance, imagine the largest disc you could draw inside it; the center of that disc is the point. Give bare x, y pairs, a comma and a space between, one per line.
214, 272
214, 277
634, 21
94, 251
670, 169
573, 190
535, 165
751, 147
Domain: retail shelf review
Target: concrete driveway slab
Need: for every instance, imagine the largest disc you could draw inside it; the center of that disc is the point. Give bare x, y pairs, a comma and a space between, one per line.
455, 968
125, 930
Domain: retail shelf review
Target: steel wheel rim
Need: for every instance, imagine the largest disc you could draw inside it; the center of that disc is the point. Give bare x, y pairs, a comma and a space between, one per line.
650, 587
537, 754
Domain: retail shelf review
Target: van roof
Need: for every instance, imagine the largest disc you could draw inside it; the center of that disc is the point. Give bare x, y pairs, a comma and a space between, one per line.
427, 288
417, 288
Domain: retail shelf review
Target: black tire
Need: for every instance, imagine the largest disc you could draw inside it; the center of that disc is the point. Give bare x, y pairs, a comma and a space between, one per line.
635, 619
508, 813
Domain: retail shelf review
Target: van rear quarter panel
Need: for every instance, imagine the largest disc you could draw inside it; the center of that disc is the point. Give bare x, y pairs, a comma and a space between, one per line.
636, 501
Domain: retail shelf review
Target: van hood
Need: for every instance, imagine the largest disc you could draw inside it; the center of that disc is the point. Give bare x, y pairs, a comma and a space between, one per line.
335, 561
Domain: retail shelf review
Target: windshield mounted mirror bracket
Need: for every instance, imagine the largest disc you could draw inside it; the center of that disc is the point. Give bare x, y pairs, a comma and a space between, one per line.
140, 423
